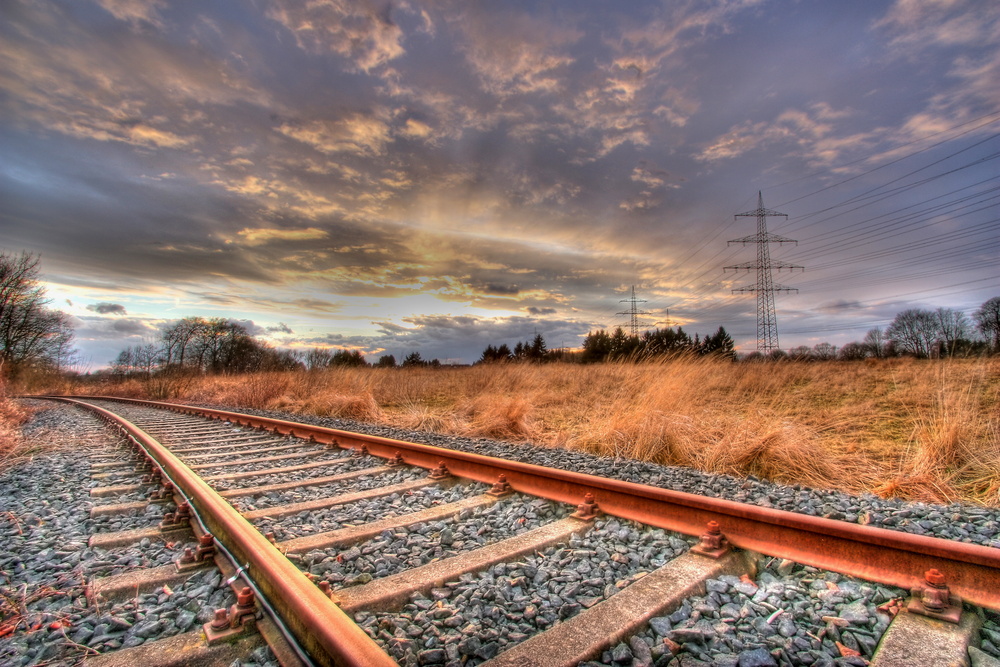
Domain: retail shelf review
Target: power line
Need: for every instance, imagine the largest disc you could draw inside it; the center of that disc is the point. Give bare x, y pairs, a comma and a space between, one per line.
992, 116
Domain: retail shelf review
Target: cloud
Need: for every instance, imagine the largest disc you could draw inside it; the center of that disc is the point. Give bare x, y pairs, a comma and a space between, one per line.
916, 25
960, 35
125, 331
107, 308
131, 327
811, 133
135, 11
464, 337
353, 133
649, 176
836, 307
281, 327
415, 129
501, 289
135, 133
360, 30
106, 84
259, 236
514, 52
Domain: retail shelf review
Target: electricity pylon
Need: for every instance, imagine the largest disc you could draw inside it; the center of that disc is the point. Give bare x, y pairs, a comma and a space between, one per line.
767, 323
633, 313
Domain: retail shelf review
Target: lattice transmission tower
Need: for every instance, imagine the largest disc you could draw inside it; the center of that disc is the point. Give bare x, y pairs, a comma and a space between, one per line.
633, 313
765, 287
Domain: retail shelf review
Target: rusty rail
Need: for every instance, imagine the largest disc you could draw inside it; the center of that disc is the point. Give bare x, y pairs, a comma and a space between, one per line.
323, 630
867, 552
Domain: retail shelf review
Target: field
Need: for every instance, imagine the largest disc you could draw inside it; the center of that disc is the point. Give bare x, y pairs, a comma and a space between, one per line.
917, 429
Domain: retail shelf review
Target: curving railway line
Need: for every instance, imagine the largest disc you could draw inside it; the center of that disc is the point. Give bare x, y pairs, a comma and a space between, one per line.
336, 548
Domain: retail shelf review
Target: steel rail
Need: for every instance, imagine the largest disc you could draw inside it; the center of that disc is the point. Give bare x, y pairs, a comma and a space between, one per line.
867, 552
324, 631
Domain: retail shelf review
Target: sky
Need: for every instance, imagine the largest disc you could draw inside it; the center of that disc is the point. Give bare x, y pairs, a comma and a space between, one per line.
437, 177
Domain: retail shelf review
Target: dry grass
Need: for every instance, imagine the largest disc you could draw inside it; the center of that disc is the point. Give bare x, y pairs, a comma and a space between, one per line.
922, 430
13, 446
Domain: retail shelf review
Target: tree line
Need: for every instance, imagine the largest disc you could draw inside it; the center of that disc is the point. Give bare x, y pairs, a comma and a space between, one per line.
197, 344
916, 332
323, 358
217, 345
601, 346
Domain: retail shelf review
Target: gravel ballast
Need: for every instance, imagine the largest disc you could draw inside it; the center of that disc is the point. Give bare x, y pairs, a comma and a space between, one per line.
791, 614
471, 620
302, 494
420, 543
365, 511
45, 561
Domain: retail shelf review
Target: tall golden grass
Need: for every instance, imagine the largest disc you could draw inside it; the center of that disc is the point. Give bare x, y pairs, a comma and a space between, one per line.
12, 415
916, 429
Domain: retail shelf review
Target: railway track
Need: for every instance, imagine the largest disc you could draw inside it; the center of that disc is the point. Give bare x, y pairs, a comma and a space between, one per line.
341, 548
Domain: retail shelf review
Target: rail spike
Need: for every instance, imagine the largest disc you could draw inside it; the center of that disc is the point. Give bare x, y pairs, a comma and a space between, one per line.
181, 518
713, 543
587, 510
192, 559
441, 472
934, 599
234, 622
501, 487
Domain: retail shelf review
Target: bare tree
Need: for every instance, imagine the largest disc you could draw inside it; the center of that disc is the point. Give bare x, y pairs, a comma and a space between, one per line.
318, 357
30, 332
876, 343
853, 352
216, 345
952, 328
800, 353
988, 322
178, 338
825, 351
914, 331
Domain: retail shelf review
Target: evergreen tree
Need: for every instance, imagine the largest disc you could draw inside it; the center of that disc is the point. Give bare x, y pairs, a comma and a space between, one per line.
413, 359
348, 358
537, 350
719, 344
596, 346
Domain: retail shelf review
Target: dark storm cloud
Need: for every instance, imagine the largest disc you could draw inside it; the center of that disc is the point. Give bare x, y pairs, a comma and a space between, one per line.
464, 337
130, 329
107, 308
495, 288
839, 306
